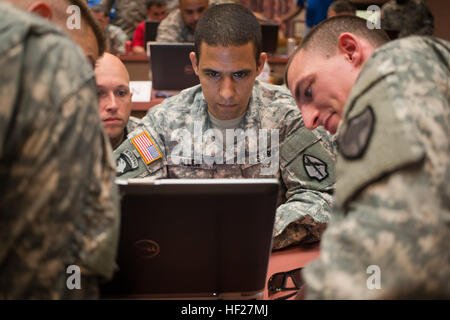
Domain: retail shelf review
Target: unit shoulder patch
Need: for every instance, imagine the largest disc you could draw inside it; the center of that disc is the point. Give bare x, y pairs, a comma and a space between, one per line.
315, 168
353, 142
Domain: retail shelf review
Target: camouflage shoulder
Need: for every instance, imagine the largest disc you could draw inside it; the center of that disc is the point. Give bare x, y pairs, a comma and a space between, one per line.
372, 139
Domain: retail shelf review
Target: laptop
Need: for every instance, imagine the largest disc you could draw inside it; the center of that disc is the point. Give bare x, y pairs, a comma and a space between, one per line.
194, 239
269, 37
151, 28
171, 66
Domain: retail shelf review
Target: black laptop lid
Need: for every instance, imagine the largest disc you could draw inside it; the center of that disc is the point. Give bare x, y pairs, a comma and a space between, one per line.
151, 28
269, 37
171, 66
185, 238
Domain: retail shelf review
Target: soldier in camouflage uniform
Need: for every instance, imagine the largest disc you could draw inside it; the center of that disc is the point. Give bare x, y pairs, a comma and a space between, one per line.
113, 85
129, 13
58, 200
180, 24
186, 135
389, 235
115, 37
409, 17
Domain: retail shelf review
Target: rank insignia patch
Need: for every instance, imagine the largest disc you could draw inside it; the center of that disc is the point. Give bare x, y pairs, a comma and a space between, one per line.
146, 148
353, 142
315, 168
127, 161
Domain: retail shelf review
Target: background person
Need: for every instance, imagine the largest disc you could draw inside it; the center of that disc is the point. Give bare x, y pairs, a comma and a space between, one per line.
113, 86
408, 17
156, 11
341, 7
180, 24
114, 36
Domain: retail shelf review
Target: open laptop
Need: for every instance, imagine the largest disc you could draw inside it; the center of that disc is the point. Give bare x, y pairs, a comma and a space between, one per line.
151, 29
269, 37
171, 66
194, 239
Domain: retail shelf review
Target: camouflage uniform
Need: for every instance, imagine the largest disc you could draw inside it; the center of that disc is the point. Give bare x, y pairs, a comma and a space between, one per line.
129, 13
305, 195
115, 39
173, 29
393, 173
58, 200
411, 18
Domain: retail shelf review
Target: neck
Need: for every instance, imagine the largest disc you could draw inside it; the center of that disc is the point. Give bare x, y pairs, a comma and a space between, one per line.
115, 142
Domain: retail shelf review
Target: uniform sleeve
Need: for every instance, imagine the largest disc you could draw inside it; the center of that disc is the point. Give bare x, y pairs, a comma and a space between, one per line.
307, 169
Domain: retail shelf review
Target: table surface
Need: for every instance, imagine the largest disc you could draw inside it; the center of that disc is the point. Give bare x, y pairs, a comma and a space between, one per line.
289, 259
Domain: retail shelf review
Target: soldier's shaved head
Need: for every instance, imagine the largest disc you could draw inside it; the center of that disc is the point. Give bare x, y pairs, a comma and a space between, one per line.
56, 11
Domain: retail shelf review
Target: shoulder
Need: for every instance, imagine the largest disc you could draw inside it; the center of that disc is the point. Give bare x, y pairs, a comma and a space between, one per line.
400, 93
173, 19
275, 102
177, 107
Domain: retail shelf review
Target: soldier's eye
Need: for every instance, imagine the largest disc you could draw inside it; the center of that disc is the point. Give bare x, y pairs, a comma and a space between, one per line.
212, 74
308, 92
240, 74
121, 93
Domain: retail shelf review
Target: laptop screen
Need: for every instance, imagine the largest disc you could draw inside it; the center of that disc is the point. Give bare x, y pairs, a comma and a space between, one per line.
194, 238
171, 66
151, 28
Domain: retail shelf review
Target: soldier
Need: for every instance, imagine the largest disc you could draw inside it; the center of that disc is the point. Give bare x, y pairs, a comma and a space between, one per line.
129, 13
59, 203
113, 85
408, 17
114, 36
389, 234
192, 135
180, 24
341, 7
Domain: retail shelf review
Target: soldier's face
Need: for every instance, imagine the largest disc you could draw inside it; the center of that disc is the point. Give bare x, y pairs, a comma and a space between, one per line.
157, 13
321, 86
227, 75
192, 10
114, 96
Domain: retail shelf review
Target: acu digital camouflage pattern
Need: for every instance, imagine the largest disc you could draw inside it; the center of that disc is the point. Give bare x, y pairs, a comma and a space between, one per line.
411, 18
173, 29
394, 200
304, 202
115, 39
58, 200
129, 13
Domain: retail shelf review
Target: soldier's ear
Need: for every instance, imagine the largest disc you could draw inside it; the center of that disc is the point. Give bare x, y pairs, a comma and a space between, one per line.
194, 62
42, 9
350, 46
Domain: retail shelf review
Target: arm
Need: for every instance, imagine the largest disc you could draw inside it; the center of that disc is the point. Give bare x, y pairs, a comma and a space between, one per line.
309, 186
293, 11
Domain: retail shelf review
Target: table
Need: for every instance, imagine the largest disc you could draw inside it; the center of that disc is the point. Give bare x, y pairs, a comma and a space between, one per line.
290, 258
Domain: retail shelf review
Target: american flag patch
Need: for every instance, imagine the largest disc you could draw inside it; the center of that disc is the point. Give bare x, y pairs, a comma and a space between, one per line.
146, 148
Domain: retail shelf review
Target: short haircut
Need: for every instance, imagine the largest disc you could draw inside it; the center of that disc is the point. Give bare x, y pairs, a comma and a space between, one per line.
92, 21
323, 38
99, 8
227, 25
340, 6
157, 3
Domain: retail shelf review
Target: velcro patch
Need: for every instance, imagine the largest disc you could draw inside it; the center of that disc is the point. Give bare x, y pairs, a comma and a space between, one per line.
146, 147
354, 141
126, 162
315, 168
